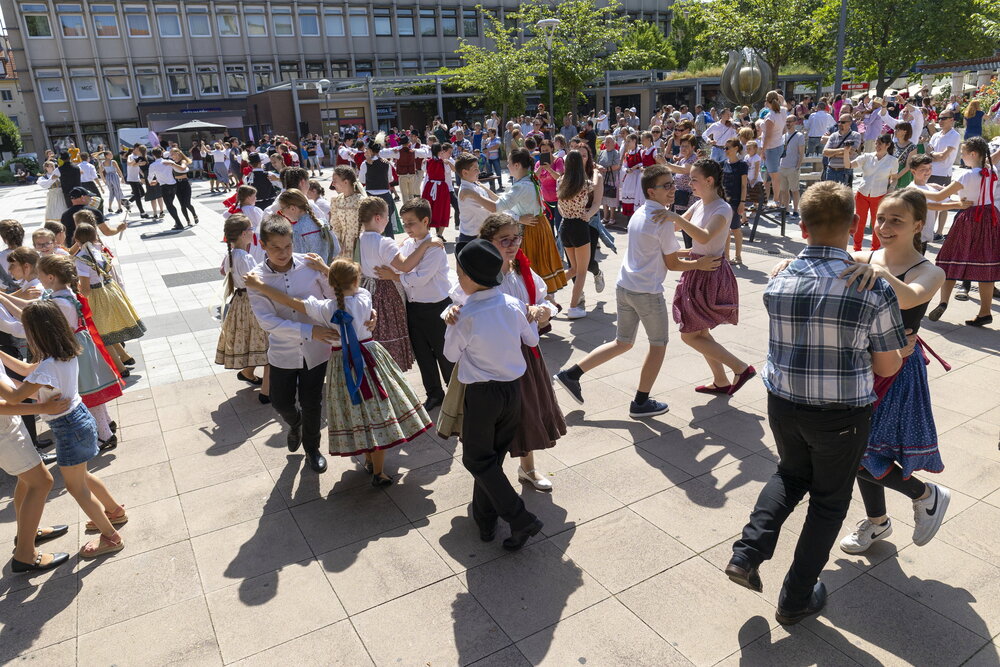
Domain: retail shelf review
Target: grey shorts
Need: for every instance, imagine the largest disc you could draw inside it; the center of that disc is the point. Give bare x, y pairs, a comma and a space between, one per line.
649, 309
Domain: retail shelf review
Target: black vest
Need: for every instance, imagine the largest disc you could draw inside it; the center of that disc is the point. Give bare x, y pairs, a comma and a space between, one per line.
377, 177
265, 189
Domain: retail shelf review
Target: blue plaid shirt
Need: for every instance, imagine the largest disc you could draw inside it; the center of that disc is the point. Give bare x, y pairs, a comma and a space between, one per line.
822, 332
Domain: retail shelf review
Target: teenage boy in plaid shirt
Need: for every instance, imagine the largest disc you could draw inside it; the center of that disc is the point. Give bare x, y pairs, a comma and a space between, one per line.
827, 342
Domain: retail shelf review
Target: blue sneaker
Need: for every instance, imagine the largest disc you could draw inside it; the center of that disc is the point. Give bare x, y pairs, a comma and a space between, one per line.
572, 386
650, 408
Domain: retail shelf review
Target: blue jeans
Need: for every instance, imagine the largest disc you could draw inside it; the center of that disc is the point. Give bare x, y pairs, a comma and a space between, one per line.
555, 219
844, 176
494, 168
718, 154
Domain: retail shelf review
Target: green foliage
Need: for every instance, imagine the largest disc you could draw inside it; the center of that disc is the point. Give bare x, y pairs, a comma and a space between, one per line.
777, 31
30, 164
582, 44
644, 47
503, 73
10, 136
885, 38
687, 24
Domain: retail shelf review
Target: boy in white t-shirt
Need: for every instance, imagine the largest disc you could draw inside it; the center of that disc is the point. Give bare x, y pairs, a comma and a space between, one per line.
652, 250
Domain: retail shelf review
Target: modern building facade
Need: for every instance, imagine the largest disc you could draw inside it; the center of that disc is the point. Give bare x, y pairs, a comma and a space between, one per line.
90, 68
11, 99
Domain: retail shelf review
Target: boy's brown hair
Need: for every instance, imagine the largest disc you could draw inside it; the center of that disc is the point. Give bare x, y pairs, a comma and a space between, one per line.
370, 207
419, 206
11, 232
55, 227
464, 161
827, 208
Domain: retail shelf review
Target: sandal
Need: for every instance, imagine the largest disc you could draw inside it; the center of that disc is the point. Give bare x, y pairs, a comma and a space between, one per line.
104, 546
129, 362
115, 520
381, 480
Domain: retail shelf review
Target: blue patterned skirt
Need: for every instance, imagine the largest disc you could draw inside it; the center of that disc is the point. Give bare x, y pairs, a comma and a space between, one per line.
903, 430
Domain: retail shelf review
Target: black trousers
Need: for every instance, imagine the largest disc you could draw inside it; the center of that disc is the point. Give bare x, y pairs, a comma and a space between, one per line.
297, 395
423, 320
137, 195
169, 191
184, 197
873, 490
390, 228
492, 413
819, 453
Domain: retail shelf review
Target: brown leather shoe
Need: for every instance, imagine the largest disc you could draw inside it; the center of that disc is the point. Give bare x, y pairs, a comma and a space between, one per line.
744, 577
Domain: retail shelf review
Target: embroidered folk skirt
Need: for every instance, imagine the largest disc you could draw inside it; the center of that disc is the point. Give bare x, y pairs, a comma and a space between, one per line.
242, 343
390, 327
114, 316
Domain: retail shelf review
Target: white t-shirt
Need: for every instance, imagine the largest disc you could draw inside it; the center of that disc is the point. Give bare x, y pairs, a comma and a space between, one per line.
940, 142
876, 173
221, 156
775, 127
971, 182
375, 250
643, 269
818, 123
753, 175
701, 215
57, 377
471, 214
927, 233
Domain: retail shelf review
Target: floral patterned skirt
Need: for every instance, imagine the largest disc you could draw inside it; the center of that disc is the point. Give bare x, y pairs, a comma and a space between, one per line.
390, 327
114, 316
242, 343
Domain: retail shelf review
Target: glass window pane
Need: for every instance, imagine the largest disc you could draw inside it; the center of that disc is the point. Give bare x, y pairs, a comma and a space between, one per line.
149, 85
199, 26
308, 25
138, 25
85, 89
470, 23
256, 25
106, 25
237, 83
404, 22
179, 84
334, 25
208, 83
383, 24
117, 86
449, 23
359, 22
340, 70
428, 23
38, 26
72, 25
169, 25
263, 80
228, 25
52, 90
283, 25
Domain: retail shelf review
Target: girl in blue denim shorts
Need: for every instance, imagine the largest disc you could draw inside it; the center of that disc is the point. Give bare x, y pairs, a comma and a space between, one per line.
51, 341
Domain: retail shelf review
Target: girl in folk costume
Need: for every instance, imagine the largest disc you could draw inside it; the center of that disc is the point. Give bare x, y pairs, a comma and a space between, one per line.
317, 195
98, 381
308, 233
631, 191
114, 316
112, 175
706, 299
375, 250
903, 436
436, 187
55, 201
242, 341
542, 421
971, 250
344, 208
647, 151
245, 203
371, 407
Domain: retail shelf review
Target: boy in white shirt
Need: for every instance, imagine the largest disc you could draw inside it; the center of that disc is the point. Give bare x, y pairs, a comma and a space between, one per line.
476, 202
652, 250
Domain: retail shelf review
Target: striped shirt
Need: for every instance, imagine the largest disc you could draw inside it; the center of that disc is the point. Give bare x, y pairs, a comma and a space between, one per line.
822, 332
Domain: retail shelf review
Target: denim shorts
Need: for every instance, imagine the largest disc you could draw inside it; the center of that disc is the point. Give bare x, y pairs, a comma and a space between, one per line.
649, 309
772, 159
75, 434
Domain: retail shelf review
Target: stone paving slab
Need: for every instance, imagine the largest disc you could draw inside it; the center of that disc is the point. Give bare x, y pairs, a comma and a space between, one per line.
238, 555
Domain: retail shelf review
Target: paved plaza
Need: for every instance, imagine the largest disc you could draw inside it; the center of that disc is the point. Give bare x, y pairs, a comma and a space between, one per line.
238, 553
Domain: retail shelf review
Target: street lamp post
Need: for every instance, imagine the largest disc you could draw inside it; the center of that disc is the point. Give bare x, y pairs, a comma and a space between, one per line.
549, 27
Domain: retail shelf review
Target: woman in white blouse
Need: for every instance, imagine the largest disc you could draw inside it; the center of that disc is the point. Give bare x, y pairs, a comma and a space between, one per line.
879, 170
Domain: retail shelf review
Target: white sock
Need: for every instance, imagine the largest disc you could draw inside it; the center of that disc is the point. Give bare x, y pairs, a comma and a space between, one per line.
103, 419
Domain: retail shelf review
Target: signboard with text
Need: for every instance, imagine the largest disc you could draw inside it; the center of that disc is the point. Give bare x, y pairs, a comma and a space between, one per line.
854, 86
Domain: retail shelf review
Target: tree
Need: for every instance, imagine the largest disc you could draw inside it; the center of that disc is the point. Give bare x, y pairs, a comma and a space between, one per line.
10, 136
885, 38
582, 43
686, 24
644, 47
503, 74
776, 31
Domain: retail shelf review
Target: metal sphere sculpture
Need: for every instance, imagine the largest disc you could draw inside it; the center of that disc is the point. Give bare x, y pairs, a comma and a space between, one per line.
745, 78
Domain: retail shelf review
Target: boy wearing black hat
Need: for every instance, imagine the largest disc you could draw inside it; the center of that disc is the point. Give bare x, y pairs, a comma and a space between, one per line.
485, 342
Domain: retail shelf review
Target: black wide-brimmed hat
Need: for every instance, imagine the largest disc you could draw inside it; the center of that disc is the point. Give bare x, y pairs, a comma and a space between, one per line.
482, 262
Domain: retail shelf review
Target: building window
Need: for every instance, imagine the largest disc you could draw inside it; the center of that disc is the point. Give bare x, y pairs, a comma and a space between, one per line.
263, 76
229, 25
308, 22
116, 85
411, 67
363, 67
334, 20
404, 22
256, 25
72, 26
470, 23
149, 85
208, 83
383, 24
138, 25
281, 19
428, 23
85, 89
431, 65
288, 71
198, 23
387, 68
236, 82
449, 22
315, 70
36, 19
340, 70
168, 22
106, 25
359, 22
6, 96
14, 120
53, 90
178, 84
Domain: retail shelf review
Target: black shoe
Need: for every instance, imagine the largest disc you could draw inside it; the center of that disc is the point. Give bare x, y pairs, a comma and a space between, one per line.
114, 427
57, 560
42, 538
815, 605
43, 443
433, 402
519, 537
264, 398
380, 480
980, 321
178, 228
48, 458
125, 373
295, 436
488, 534
129, 362
748, 578
571, 385
109, 444
255, 381
316, 460
145, 215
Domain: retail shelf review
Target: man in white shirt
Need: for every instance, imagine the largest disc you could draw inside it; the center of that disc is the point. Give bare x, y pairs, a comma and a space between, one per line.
298, 178
161, 171
911, 114
944, 151
718, 133
298, 350
602, 121
790, 167
652, 250
90, 179
493, 122
133, 176
818, 124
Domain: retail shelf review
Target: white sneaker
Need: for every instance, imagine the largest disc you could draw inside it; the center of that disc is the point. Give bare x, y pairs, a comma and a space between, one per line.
543, 484
576, 313
928, 514
599, 281
866, 534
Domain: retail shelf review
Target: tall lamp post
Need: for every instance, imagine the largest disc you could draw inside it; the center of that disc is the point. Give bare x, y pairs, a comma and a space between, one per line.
548, 26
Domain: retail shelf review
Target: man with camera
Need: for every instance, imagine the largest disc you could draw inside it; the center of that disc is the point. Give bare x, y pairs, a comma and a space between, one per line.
840, 149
